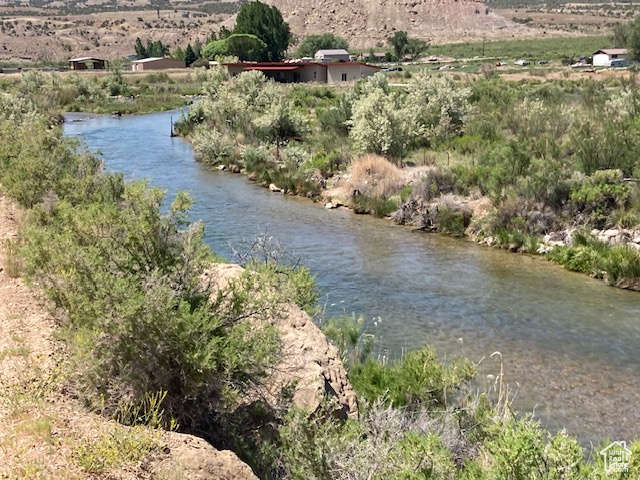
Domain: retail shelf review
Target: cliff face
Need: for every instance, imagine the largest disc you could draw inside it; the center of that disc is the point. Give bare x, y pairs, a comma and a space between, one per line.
368, 23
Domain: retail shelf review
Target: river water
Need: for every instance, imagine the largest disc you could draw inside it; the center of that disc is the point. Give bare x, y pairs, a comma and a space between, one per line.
570, 344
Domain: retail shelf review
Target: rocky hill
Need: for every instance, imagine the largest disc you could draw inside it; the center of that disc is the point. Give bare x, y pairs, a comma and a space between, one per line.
368, 23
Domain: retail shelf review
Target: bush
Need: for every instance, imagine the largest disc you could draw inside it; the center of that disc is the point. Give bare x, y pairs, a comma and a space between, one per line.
210, 146
416, 379
118, 268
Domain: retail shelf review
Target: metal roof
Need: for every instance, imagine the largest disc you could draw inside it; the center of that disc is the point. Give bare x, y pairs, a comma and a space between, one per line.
332, 51
612, 51
84, 59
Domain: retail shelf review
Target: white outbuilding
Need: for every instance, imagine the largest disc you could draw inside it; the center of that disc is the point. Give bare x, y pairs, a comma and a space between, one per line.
332, 55
610, 57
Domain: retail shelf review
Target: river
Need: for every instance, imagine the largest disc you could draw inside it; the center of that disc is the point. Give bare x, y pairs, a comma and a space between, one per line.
569, 343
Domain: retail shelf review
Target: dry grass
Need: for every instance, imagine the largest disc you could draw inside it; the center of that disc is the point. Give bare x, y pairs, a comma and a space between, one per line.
376, 177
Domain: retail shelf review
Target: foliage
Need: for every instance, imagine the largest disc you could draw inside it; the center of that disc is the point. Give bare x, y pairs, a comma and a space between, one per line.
398, 42
243, 46
266, 23
416, 379
311, 44
378, 125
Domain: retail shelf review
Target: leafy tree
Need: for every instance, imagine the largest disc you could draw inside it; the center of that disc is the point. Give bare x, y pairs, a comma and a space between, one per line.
246, 47
266, 23
141, 52
189, 55
224, 32
216, 50
633, 38
620, 35
178, 54
399, 41
415, 47
156, 49
197, 48
313, 43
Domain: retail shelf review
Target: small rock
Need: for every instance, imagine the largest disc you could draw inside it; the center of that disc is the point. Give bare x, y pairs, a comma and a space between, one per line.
275, 188
222, 167
329, 206
611, 233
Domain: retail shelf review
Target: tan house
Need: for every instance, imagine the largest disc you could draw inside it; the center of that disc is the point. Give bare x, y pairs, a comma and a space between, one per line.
283, 72
349, 72
156, 63
306, 72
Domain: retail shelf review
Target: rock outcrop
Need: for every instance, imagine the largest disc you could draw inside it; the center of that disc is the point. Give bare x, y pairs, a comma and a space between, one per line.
308, 361
186, 456
367, 23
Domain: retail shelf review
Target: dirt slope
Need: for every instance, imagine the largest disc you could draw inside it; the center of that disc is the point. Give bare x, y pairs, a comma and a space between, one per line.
368, 23
44, 434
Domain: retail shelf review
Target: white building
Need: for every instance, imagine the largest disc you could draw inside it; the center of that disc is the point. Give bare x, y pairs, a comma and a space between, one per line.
610, 57
332, 55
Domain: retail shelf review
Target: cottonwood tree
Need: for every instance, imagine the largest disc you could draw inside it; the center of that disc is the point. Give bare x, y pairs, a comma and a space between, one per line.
313, 43
266, 23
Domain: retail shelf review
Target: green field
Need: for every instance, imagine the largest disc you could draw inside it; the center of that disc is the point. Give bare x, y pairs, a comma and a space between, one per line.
532, 49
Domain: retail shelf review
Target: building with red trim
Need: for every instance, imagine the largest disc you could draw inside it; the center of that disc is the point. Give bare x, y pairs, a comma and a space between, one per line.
306, 72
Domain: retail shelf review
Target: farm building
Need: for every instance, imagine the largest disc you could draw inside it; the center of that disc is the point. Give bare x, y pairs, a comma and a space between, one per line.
305, 72
156, 63
611, 57
332, 55
87, 63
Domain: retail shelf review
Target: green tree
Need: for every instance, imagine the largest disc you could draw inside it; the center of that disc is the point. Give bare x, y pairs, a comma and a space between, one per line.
313, 43
633, 38
178, 54
399, 42
197, 48
246, 47
141, 52
415, 47
266, 23
189, 55
216, 50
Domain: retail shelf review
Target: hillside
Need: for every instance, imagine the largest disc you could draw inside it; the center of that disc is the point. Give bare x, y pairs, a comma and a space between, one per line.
368, 23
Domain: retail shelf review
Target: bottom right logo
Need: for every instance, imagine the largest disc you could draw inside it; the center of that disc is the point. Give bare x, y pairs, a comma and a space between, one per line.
616, 457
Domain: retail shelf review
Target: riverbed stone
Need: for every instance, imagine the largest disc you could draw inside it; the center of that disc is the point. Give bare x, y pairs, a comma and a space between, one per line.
274, 188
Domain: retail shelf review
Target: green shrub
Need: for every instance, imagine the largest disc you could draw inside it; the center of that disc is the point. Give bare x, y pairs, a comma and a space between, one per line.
118, 268
417, 378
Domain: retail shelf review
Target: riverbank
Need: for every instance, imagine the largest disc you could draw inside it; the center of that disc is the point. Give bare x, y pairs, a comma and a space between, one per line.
544, 166
44, 432
99, 219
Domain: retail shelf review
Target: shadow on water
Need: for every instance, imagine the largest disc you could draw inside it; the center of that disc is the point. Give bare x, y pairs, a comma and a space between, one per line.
570, 343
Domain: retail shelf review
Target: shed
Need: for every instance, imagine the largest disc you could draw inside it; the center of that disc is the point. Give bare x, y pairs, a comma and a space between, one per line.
332, 55
87, 63
156, 63
605, 57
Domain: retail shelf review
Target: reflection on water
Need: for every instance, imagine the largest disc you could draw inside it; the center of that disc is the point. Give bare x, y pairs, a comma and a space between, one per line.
569, 343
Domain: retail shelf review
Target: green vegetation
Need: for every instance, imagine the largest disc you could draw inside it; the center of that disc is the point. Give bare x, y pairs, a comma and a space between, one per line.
266, 23
311, 44
115, 92
406, 47
149, 342
533, 49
